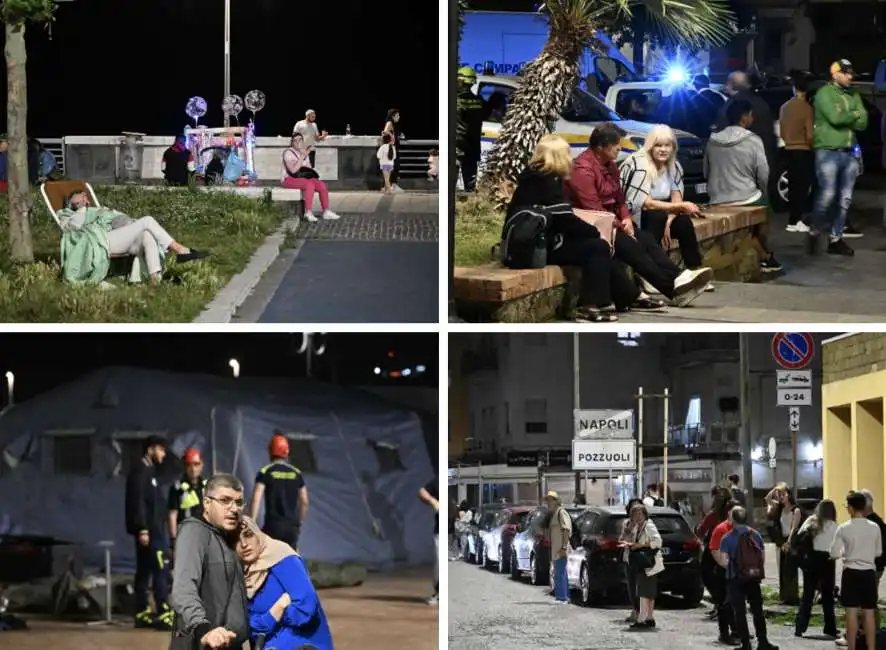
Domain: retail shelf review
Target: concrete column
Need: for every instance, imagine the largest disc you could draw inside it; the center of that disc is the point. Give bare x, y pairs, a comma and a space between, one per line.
867, 437
837, 448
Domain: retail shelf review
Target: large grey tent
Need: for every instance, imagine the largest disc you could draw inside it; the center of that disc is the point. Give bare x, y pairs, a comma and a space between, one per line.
65, 454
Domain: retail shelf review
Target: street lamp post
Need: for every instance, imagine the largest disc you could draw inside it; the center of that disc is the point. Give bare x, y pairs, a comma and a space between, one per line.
227, 56
307, 348
10, 386
235, 367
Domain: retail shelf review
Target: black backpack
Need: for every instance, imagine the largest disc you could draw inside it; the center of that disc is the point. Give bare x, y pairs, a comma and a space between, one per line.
524, 237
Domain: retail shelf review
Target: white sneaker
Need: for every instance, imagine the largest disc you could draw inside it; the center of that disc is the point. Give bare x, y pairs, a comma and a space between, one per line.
710, 288
396, 188
309, 216
690, 284
797, 227
329, 215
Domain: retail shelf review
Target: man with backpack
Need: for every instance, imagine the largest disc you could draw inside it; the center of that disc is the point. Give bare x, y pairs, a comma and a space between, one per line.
858, 542
741, 554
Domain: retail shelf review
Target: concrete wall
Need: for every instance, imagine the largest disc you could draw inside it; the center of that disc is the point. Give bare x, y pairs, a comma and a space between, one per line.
538, 368
853, 356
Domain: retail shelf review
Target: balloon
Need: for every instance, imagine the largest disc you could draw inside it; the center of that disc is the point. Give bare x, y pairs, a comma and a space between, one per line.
255, 100
232, 105
196, 108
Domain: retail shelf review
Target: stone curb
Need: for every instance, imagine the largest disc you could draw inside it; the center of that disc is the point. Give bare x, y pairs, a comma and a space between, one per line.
226, 303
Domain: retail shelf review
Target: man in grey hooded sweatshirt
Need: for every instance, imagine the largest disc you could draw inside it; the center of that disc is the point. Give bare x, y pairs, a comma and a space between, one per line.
736, 169
208, 590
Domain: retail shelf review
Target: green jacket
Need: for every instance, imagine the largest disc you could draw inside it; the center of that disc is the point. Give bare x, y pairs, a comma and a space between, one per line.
839, 114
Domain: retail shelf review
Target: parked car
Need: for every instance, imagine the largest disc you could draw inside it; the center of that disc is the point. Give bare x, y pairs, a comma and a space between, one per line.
497, 541
595, 566
485, 519
530, 550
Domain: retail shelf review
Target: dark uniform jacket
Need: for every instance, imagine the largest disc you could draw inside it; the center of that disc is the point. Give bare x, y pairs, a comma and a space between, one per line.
471, 111
145, 505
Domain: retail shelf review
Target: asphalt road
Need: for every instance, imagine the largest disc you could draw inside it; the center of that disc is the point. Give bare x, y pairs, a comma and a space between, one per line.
488, 611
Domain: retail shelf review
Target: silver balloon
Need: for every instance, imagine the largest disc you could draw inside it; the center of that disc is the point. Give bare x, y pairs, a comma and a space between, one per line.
196, 108
232, 105
255, 100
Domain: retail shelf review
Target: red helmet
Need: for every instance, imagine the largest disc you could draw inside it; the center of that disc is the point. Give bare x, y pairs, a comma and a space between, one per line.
279, 447
192, 457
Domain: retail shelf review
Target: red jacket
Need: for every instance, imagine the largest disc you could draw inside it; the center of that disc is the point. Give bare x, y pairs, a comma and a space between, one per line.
594, 185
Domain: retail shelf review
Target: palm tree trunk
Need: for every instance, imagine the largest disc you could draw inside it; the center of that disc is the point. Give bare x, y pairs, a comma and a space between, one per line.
543, 92
17, 166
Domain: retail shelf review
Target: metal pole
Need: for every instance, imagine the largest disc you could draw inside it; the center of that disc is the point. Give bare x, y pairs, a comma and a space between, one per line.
452, 163
794, 463
479, 483
576, 398
108, 587
747, 469
664, 478
638, 484
227, 56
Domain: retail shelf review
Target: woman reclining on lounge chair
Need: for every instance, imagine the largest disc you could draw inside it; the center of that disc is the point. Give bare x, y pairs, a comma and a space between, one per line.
91, 236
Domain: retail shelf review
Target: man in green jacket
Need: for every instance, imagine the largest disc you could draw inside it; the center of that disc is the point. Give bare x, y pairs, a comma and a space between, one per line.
839, 113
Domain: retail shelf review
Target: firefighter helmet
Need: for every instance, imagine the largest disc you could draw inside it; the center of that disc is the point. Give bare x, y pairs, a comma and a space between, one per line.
279, 447
467, 75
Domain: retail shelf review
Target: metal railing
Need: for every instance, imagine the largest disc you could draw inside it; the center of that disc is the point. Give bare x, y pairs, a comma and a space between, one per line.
414, 157
56, 146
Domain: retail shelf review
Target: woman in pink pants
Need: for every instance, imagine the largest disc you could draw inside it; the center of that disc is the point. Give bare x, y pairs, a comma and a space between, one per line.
299, 175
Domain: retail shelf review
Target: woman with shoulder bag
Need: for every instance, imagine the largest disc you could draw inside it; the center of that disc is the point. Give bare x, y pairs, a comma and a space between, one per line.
645, 555
298, 174
572, 241
785, 515
819, 569
628, 533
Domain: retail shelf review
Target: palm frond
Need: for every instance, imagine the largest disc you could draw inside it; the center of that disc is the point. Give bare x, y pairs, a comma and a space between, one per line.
693, 23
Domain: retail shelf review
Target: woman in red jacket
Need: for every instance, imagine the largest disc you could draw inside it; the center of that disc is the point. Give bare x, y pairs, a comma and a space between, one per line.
594, 185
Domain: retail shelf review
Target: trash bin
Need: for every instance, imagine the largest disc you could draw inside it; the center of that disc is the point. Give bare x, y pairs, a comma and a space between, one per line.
131, 153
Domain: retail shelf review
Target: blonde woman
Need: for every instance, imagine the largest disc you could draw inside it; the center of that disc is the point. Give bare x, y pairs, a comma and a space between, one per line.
652, 180
605, 287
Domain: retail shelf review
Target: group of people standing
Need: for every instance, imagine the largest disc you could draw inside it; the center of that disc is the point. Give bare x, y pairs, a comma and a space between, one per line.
232, 580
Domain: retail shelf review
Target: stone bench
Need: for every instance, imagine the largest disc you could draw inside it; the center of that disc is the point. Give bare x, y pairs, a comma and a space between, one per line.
494, 293
295, 202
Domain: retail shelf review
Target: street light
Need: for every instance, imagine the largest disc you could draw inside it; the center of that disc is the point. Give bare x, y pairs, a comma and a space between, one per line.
227, 57
235, 367
10, 386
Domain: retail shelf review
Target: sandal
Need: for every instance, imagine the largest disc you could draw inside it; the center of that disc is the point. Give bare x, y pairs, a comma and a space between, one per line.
648, 304
594, 315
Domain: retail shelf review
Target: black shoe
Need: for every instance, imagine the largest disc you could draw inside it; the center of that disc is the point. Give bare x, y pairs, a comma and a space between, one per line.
850, 232
648, 304
812, 243
840, 247
638, 626
729, 640
765, 645
650, 622
771, 265
141, 624
189, 257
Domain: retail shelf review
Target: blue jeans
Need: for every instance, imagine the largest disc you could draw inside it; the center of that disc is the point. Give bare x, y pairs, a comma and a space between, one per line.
561, 586
836, 171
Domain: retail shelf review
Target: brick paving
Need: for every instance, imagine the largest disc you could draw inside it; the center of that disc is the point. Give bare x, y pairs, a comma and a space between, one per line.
386, 612
393, 227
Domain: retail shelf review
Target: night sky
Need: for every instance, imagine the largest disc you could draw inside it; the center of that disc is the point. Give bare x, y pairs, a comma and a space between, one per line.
115, 66
42, 361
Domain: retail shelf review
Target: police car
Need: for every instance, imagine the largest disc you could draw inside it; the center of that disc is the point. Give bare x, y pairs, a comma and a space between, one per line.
576, 123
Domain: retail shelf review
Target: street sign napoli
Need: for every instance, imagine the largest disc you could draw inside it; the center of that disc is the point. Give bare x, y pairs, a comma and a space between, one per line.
793, 350
602, 423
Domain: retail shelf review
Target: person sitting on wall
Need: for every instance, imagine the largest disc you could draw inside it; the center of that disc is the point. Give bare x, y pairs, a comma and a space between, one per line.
91, 236
178, 163
299, 174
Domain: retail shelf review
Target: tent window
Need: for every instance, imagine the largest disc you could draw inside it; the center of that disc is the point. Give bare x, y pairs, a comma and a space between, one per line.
388, 457
131, 452
72, 454
301, 454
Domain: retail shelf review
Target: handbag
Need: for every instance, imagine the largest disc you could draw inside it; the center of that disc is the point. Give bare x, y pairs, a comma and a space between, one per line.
602, 221
642, 558
307, 172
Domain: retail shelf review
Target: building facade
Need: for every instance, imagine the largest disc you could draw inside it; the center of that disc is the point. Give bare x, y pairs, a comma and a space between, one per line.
853, 392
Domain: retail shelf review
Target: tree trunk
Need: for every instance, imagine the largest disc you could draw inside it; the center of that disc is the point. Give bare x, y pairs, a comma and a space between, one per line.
17, 123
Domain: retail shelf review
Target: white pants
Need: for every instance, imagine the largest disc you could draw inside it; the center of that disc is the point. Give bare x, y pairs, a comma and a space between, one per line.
144, 236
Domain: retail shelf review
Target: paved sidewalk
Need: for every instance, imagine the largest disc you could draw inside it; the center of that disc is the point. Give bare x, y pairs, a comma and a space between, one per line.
820, 289
378, 263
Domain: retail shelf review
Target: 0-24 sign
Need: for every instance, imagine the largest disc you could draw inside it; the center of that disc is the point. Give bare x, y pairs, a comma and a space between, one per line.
795, 397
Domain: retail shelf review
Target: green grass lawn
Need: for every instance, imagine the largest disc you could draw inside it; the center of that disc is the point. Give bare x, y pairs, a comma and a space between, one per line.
230, 227
477, 229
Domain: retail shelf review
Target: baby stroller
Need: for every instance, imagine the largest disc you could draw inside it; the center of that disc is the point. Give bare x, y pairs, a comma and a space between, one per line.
226, 165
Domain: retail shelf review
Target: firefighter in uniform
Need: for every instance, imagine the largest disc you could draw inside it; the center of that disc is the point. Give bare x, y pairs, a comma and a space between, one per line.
286, 497
146, 522
186, 494
471, 110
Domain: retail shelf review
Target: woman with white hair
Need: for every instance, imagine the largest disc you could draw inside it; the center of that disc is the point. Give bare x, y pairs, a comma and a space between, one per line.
652, 180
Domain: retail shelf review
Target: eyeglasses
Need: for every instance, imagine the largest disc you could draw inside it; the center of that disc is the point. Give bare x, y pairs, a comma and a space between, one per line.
227, 502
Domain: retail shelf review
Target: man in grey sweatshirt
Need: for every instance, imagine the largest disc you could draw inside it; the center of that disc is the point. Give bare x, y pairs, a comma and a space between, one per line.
736, 168
208, 591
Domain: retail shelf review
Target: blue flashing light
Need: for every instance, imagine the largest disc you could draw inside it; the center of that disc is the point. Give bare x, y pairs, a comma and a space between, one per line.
677, 74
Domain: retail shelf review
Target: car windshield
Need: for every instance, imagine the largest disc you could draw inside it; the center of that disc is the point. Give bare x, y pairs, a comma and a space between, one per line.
666, 524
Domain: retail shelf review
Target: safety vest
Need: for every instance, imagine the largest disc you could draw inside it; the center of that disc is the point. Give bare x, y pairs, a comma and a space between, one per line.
189, 498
